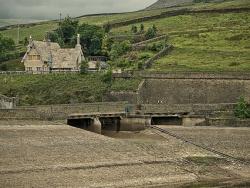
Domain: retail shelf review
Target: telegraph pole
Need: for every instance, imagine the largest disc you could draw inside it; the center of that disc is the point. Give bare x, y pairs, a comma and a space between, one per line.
60, 17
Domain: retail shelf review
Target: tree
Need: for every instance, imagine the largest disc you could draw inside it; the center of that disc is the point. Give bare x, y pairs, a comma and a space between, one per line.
67, 29
6, 44
91, 34
95, 46
134, 29
142, 28
25, 42
151, 33
154, 28
7, 49
55, 37
242, 110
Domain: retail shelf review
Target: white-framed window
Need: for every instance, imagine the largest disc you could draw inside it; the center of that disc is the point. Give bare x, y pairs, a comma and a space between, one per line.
39, 68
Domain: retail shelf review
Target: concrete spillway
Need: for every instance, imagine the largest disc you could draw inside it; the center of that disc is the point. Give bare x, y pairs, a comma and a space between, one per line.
121, 122
108, 122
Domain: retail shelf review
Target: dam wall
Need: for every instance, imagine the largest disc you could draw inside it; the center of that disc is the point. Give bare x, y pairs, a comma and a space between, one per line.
193, 91
185, 88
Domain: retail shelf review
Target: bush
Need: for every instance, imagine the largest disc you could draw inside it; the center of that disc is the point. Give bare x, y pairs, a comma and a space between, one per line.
3, 67
119, 49
140, 65
242, 110
144, 56
151, 33
107, 27
134, 29
107, 77
84, 67
156, 47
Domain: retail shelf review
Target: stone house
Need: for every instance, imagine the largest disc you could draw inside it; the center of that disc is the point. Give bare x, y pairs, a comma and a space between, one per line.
49, 56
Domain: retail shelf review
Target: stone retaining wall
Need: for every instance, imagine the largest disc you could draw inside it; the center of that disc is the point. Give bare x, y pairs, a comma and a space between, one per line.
54, 112
219, 122
129, 96
198, 109
193, 91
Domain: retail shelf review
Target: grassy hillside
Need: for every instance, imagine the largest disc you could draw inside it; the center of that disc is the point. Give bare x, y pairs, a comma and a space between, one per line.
60, 88
38, 30
167, 3
160, 4
203, 42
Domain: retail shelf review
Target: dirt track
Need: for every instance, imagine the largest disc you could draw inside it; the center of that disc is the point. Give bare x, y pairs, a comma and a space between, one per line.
45, 154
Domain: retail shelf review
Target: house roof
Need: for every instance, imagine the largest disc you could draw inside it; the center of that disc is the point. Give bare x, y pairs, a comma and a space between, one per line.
61, 57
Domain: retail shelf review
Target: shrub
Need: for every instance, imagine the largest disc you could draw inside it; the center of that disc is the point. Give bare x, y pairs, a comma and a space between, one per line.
3, 67
151, 33
242, 110
84, 67
156, 47
107, 77
142, 28
134, 29
118, 49
144, 56
107, 27
140, 65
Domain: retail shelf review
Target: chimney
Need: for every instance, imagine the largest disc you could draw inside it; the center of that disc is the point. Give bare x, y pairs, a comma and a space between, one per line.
30, 40
78, 39
78, 45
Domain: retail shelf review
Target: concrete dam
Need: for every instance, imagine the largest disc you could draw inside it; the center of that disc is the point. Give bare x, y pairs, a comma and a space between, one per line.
161, 99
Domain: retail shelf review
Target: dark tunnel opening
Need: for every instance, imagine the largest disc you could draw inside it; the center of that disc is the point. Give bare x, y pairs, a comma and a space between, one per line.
107, 123
80, 123
110, 123
169, 120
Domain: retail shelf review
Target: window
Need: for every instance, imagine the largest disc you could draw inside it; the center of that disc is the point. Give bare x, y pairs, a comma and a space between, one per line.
33, 57
39, 68
29, 68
